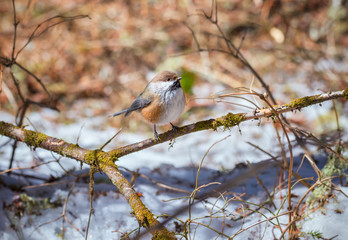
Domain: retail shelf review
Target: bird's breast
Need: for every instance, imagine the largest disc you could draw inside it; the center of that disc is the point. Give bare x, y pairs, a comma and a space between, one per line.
154, 111
166, 107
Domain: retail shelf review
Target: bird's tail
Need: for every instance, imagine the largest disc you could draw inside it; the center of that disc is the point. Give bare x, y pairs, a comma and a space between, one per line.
118, 113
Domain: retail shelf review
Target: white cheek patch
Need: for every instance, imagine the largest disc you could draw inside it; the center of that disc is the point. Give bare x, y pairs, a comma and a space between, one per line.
160, 87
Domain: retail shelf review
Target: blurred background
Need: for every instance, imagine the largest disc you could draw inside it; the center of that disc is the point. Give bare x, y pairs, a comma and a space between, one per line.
97, 65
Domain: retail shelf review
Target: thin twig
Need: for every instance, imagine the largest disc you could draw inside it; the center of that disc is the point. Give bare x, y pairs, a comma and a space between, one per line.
91, 193
65, 19
295, 174
107, 142
35, 77
259, 222
15, 24
162, 185
262, 185
291, 162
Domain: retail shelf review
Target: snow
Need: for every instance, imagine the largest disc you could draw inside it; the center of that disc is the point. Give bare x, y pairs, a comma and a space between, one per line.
331, 221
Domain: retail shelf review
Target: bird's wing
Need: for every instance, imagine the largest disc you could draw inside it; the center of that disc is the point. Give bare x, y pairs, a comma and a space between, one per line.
139, 103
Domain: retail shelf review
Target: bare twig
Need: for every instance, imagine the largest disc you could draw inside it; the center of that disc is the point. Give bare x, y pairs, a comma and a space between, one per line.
64, 19
308, 191
34, 76
107, 142
291, 162
295, 174
162, 185
259, 222
197, 188
63, 214
262, 185
231, 48
31, 167
15, 24
91, 193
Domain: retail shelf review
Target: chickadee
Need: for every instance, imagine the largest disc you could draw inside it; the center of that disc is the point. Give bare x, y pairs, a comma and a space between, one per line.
161, 102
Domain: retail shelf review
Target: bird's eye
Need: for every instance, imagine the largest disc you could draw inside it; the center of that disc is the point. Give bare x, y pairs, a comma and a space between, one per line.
168, 79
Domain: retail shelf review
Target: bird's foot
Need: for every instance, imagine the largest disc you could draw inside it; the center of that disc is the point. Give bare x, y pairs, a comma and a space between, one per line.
155, 134
156, 137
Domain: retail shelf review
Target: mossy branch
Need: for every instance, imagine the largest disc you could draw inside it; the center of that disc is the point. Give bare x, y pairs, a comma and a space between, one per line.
230, 120
104, 160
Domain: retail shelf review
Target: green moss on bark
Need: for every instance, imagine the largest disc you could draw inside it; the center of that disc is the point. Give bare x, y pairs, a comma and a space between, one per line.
34, 138
228, 121
97, 157
301, 102
345, 94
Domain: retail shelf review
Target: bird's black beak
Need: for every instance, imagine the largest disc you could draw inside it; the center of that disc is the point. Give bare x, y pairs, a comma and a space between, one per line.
176, 84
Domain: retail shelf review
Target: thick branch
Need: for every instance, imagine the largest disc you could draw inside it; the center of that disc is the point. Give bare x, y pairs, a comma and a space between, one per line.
91, 157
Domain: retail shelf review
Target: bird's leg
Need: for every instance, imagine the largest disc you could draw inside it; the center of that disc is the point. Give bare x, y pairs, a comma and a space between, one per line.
175, 128
155, 133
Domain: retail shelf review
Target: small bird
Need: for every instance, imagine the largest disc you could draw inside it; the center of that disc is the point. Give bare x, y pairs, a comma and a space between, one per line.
161, 102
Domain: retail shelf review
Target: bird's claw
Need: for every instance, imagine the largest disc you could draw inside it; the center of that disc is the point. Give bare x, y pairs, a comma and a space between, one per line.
155, 134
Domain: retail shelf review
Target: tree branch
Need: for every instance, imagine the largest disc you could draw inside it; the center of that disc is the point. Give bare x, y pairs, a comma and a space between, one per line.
230, 120
91, 157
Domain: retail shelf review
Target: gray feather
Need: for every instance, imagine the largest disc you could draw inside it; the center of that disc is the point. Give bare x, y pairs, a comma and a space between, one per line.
118, 113
138, 103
